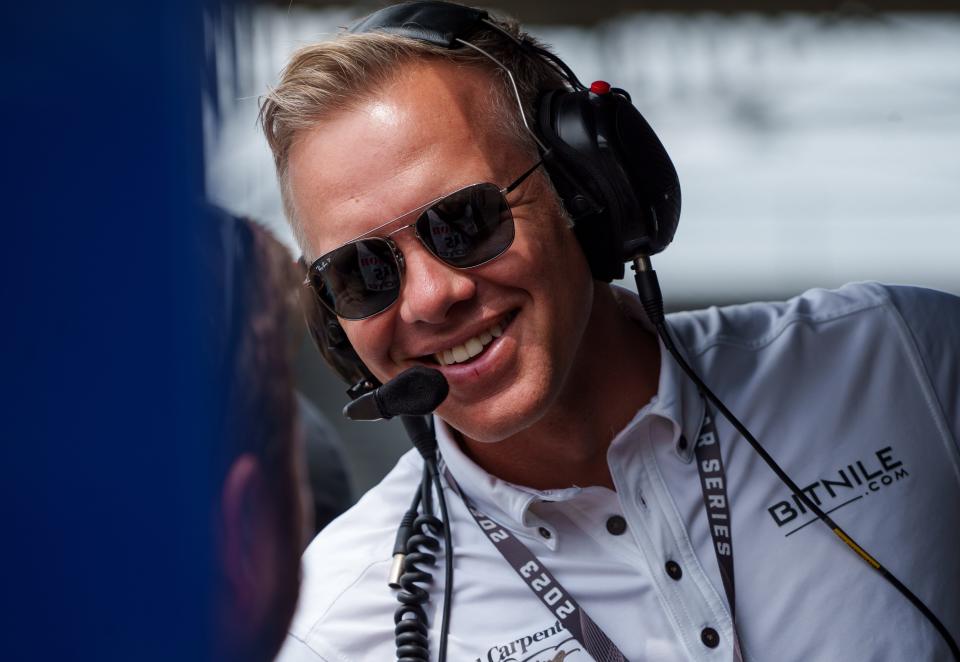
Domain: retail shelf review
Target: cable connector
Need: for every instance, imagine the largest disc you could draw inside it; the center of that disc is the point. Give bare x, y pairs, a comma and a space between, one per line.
648, 287
400, 548
396, 570
421, 436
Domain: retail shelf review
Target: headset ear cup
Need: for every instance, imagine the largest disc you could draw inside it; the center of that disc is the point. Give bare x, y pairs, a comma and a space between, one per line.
601, 144
334, 346
651, 176
569, 129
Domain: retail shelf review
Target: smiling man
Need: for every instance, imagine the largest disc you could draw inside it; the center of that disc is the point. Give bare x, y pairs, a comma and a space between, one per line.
521, 361
439, 230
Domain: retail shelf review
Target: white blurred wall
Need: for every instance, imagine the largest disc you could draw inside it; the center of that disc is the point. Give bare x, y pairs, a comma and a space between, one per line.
811, 151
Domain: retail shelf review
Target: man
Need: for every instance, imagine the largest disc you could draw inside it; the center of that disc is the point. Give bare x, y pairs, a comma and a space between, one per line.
569, 426
260, 512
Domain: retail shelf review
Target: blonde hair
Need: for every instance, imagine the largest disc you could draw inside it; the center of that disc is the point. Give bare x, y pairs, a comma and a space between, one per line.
329, 77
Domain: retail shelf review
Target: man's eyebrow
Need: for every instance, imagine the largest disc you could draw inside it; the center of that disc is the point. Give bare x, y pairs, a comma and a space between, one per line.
405, 215
401, 217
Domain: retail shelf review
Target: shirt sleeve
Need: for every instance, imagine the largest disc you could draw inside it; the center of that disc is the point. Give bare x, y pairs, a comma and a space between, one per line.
933, 320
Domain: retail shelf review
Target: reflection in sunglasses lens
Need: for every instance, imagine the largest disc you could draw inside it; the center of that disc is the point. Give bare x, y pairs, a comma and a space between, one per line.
360, 279
468, 227
464, 229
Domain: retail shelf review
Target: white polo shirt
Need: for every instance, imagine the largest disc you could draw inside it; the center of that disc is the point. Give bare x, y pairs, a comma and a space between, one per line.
855, 392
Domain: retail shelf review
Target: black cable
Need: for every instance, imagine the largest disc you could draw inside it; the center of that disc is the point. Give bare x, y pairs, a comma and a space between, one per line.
447, 565
448, 548
426, 496
648, 287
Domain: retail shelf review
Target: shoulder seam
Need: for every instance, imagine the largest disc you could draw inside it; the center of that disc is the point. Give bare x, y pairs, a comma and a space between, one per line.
763, 341
360, 575
909, 341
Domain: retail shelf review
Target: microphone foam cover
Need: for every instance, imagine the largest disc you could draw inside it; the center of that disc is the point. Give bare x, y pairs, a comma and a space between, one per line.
414, 392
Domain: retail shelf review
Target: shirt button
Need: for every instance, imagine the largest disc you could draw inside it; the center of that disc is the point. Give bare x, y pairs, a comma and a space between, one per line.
544, 532
709, 637
673, 570
616, 525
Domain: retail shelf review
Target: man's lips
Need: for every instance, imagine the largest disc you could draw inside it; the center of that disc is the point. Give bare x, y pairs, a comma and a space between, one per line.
485, 369
466, 346
474, 346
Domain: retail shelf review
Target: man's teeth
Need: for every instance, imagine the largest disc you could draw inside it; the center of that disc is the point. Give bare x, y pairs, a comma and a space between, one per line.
471, 348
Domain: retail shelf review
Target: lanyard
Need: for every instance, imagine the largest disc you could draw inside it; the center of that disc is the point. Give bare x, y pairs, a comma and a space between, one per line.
564, 607
713, 484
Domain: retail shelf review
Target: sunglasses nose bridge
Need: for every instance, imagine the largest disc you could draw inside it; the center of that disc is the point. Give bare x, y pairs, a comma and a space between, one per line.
397, 255
425, 241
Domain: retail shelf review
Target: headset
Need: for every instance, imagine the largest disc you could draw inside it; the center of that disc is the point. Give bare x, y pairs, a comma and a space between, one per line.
612, 173
621, 191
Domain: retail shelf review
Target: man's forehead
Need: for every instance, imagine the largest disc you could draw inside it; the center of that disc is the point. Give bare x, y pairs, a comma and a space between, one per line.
424, 133
422, 102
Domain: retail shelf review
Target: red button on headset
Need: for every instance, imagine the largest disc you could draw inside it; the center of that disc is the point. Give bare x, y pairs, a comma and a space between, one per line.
599, 87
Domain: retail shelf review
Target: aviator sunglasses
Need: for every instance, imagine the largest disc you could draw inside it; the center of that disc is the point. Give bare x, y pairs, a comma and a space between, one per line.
464, 229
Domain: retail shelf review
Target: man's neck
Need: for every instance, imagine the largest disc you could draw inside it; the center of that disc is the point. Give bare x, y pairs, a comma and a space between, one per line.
615, 373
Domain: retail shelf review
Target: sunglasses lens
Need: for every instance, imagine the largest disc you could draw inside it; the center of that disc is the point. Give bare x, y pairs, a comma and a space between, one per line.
359, 279
468, 227
464, 229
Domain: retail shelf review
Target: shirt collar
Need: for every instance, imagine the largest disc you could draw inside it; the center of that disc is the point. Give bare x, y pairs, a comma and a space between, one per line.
677, 400
505, 502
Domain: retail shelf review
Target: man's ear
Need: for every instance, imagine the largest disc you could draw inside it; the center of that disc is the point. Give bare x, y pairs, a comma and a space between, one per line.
248, 546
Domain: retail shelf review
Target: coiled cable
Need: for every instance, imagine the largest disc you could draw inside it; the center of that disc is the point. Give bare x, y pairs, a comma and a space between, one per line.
415, 551
411, 625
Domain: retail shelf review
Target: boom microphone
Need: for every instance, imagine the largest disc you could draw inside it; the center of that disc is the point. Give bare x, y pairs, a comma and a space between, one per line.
414, 392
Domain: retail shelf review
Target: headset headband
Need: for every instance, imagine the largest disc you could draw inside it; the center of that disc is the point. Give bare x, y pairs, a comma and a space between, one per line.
438, 23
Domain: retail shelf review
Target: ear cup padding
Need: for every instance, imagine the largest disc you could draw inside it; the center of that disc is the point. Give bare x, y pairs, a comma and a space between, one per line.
568, 128
653, 180
604, 143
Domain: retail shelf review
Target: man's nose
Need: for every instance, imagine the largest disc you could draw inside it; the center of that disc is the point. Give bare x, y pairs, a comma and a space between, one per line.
431, 288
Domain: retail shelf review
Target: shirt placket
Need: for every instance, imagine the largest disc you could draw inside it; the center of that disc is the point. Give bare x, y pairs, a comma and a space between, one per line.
696, 611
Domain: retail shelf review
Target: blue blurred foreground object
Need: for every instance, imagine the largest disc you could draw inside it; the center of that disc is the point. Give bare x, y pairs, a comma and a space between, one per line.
106, 392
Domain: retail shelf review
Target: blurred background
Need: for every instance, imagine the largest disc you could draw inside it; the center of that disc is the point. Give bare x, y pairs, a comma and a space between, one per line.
817, 143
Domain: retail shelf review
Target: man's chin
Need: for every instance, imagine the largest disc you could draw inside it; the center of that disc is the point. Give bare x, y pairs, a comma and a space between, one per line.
495, 419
